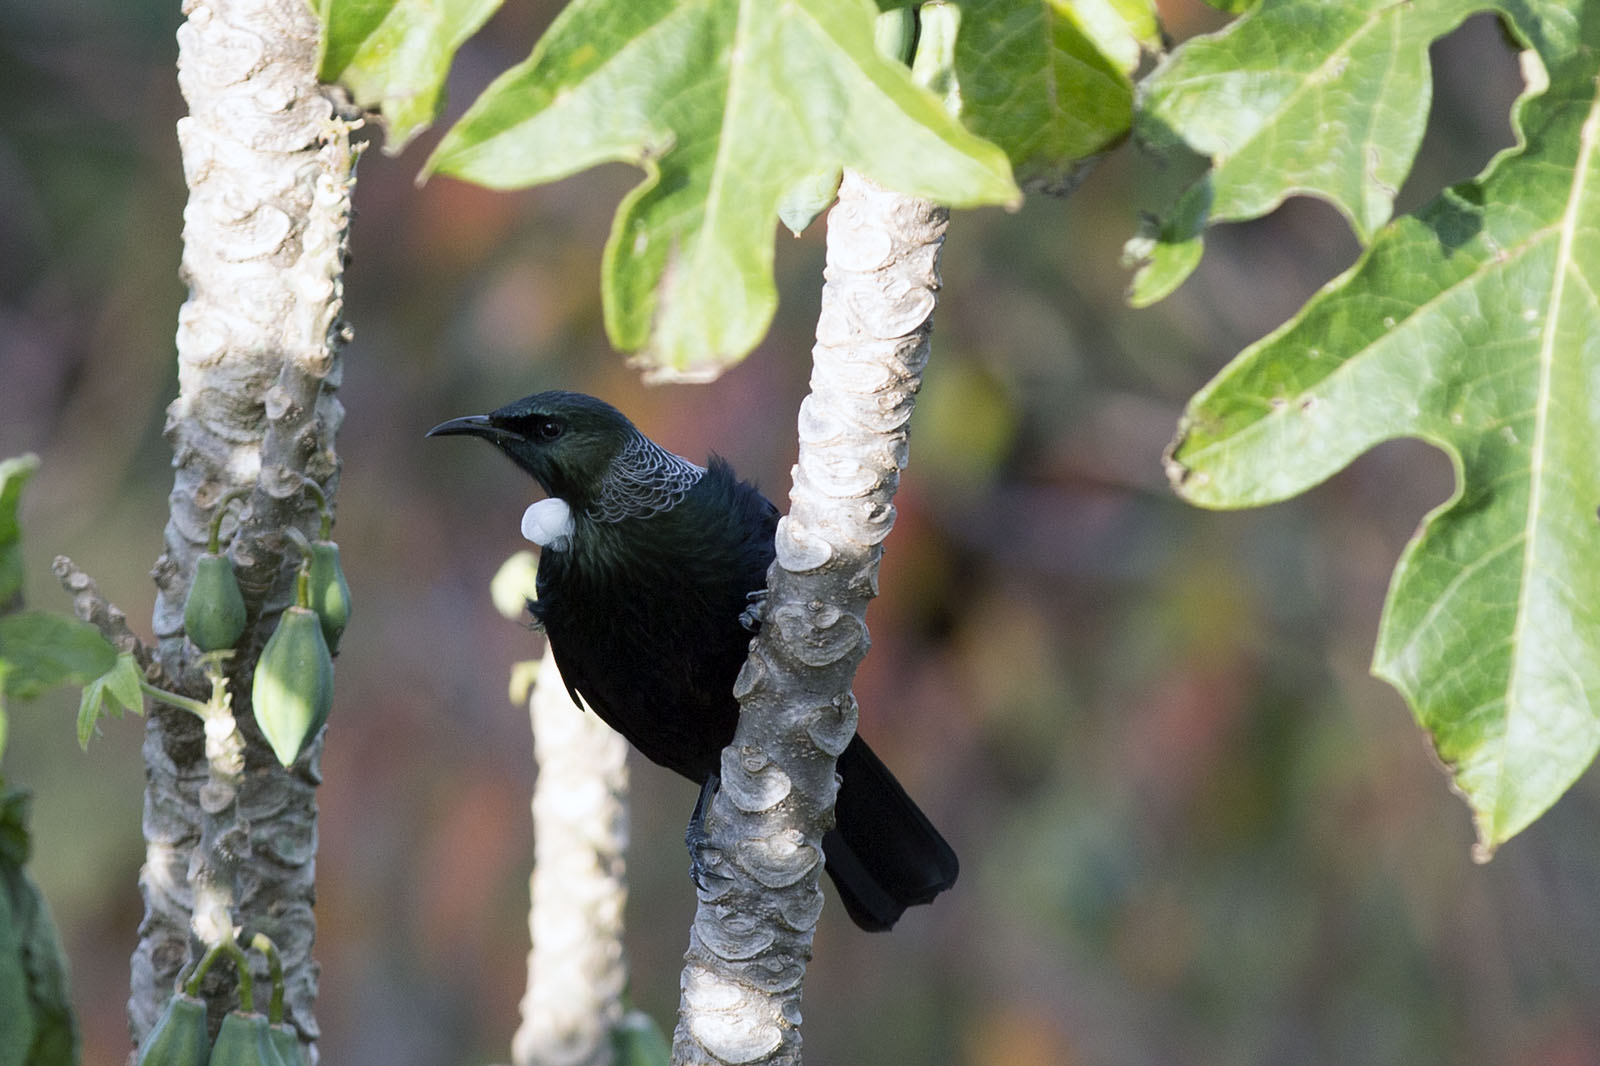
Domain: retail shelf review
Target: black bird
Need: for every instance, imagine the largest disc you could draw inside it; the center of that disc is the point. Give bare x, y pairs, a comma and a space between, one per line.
650, 570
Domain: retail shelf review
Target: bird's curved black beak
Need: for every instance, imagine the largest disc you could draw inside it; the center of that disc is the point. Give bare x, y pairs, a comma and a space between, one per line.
475, 426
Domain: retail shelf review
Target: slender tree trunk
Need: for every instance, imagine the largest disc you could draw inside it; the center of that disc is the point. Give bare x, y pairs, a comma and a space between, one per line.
576, 969
751, 937
230, 835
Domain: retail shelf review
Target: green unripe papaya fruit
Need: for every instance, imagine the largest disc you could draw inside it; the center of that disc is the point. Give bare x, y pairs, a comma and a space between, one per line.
293, 688
179, 1037
213, 615
244, 1040
287, 1044
329, 592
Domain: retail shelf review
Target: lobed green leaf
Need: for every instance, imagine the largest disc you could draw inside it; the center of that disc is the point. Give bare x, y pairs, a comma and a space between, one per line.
39, 1029
14, 476
394, 55
121, 684
17, 1038
1038, 81
728, 106
1324, 98
1124, 29
1475, 326
42, 650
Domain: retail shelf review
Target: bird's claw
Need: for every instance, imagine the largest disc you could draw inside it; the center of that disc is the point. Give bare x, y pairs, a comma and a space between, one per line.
750, 617
703, 856
704, 859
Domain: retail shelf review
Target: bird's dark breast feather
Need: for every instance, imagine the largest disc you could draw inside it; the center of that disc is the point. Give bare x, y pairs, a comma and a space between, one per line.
643, 617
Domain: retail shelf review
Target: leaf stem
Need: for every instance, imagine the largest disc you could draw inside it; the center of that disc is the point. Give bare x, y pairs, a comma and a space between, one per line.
213, 542
322, 507
894, 33
172, 699
247, 998
263, 943
298, 539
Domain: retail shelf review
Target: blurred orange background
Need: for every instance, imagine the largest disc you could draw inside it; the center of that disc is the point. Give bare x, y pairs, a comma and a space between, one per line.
1193, 829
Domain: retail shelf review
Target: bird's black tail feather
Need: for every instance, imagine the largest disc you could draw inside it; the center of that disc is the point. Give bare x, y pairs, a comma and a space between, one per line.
884, 855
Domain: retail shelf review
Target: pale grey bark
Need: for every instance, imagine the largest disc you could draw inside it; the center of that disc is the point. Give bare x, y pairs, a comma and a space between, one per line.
751, 937
230, 835
576, 969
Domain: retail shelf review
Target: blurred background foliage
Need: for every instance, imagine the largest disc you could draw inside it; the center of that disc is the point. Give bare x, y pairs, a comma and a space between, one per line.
1193, 829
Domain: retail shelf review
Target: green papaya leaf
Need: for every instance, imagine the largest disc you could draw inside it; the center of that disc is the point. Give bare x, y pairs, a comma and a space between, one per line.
14, 476
894, 34
394, 55
55, 1035
16, 1039
1036, 81
39, 1029
346, 26
42, 650
1325, 98
1475, 326
121, 685
807, 198
1123, 29
727, 107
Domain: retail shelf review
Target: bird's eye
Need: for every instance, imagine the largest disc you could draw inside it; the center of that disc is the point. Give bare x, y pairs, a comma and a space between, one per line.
548, 429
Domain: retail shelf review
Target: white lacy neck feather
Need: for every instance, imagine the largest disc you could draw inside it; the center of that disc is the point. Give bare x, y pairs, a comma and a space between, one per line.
644, 479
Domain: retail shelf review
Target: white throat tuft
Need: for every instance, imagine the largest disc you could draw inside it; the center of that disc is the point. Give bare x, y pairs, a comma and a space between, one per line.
548, 523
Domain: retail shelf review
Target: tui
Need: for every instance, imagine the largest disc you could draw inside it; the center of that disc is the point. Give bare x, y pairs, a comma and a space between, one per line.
650, 580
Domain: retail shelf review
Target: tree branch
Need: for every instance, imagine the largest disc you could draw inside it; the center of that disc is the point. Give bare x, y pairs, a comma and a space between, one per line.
752, 932
90, 606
